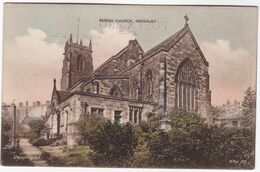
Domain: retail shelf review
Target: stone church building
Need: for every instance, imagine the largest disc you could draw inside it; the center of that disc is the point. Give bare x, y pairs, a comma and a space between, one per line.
131, 85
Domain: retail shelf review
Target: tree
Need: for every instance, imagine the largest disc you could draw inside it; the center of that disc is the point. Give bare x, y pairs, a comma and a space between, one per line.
89, 126
114, 146
191, 143
37, 126
6, 129
249, 108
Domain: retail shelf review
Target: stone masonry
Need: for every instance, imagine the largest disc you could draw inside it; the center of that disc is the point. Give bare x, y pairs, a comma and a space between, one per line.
131, 85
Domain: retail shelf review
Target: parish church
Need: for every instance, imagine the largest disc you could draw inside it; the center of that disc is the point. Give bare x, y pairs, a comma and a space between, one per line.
132, 85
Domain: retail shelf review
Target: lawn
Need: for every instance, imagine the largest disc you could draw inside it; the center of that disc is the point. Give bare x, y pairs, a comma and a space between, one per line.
78, 156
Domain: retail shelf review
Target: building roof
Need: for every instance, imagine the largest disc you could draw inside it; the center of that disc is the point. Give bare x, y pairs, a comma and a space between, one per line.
163, 46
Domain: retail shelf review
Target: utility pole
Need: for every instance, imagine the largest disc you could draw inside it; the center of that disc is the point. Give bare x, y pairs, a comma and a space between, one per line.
14, 126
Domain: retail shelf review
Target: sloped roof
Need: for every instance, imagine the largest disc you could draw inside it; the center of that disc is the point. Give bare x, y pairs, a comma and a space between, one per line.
167, 44
62, 95
163, 46
118, 55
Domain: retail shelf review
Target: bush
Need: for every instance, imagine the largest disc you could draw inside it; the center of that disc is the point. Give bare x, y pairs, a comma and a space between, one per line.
193, 144
88, 127
114, 146
40, 142
5, 134
37, 127
45, 155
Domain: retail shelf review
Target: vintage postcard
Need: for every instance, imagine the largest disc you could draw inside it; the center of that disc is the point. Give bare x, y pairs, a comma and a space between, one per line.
129, 86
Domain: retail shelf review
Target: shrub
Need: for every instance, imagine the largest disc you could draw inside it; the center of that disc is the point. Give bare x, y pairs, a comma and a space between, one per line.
40, 142
193, 144
45, 155
113, 144
37, 126
88, 127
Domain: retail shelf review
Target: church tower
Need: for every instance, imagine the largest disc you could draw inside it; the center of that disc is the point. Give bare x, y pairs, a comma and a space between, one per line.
77, 63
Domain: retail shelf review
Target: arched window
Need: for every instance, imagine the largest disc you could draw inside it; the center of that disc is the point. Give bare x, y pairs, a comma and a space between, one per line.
80, 62
186, 91
116, 91
95, 87
148, 85
135, 90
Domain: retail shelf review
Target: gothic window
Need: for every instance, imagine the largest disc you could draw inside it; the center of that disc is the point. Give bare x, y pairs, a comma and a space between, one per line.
186, 87
116, 92
84, 107
135, 90
148, 84
80, 62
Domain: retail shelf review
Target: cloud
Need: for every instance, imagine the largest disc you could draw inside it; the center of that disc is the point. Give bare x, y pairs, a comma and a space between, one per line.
231, 70
30, 64
108, 42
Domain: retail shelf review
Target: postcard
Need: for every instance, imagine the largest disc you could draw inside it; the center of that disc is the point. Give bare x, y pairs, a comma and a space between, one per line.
129, 86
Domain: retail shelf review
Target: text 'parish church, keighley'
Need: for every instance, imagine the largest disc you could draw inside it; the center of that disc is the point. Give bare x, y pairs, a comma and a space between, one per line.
131, 85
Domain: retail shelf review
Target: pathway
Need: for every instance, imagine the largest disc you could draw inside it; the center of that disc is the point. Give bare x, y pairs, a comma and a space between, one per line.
33, 153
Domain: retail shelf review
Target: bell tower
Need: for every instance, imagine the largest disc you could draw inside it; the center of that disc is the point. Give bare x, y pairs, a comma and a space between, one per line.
77, 63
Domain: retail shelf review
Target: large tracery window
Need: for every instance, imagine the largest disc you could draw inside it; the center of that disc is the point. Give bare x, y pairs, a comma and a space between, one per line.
186, 87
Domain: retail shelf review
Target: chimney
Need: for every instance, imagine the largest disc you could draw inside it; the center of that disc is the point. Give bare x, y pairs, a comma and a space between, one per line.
20, 104
38, 103
48, 102
27, 103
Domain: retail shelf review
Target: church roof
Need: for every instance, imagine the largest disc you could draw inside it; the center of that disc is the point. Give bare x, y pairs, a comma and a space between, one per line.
116, 56
167, 44
62, 95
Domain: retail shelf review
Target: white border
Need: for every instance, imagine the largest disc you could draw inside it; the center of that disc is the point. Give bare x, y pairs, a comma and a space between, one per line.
148, 2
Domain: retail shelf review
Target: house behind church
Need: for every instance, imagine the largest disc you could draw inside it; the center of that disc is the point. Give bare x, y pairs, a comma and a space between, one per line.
130, 85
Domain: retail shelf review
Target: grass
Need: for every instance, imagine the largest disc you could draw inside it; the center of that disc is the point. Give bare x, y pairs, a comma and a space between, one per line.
78, 156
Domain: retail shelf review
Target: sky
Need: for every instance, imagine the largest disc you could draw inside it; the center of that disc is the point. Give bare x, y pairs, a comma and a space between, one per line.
35, 35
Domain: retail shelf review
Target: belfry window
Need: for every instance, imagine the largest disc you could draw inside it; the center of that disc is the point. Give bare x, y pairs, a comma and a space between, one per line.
80, 63
186, 91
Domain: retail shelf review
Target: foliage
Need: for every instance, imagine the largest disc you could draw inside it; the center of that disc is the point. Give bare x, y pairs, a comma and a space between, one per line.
78, 156
193, 144
215, 111
88, 126
5, 134
249, 108
37, 126
40, 142
114, 146
10, 157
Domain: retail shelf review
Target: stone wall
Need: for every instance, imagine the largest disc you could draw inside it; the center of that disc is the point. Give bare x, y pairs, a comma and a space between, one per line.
72, 108
183, 49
